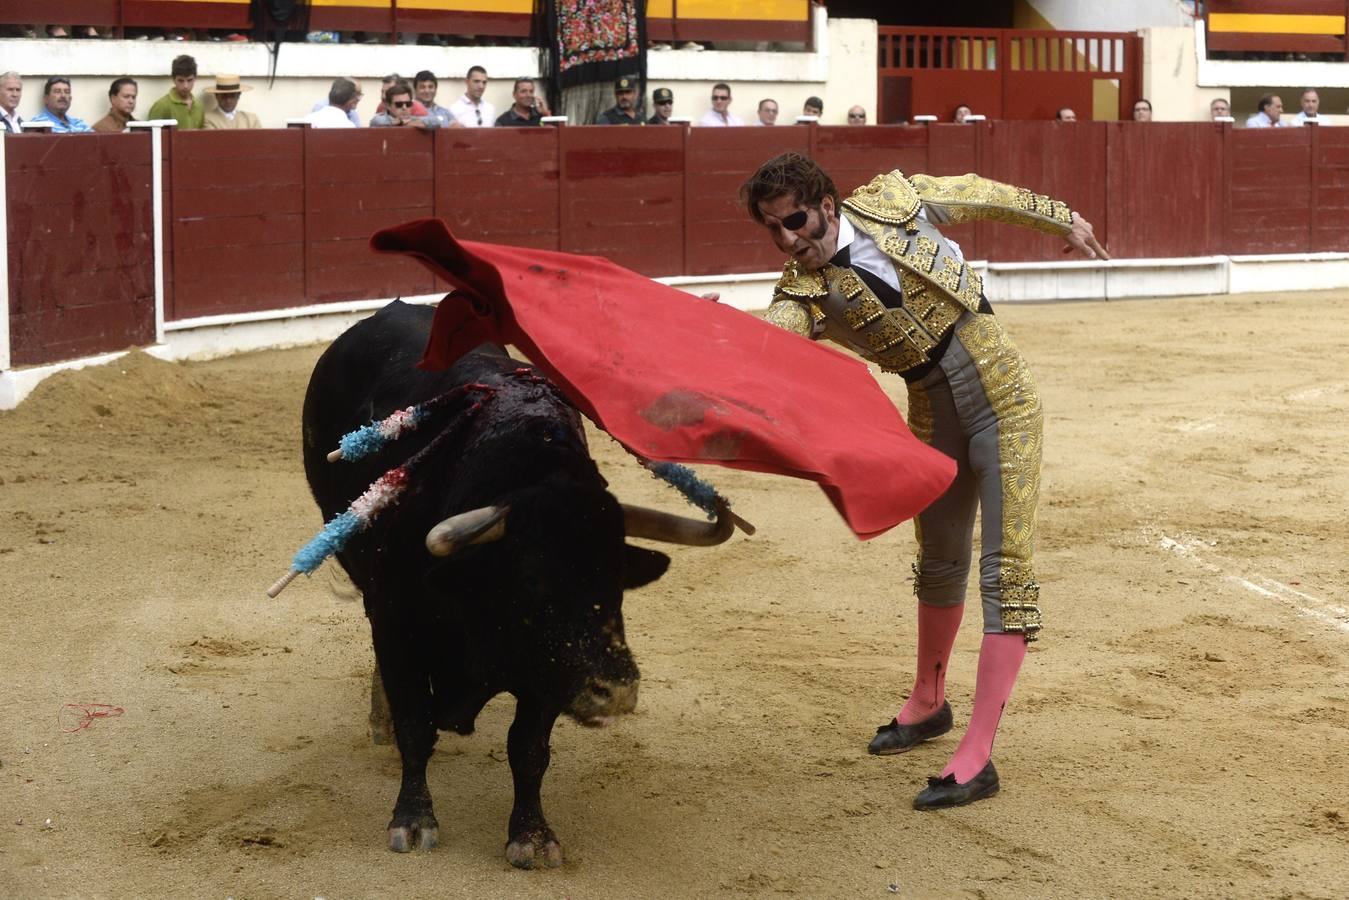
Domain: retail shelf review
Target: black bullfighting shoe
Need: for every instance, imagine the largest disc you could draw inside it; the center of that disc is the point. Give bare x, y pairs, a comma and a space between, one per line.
943, 792
896, 738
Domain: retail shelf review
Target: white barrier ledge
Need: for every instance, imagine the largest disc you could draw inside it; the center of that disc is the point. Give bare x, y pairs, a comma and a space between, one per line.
1290, 272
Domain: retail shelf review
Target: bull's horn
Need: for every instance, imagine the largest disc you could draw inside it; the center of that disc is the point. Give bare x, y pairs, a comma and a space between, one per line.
477, 526
654, 525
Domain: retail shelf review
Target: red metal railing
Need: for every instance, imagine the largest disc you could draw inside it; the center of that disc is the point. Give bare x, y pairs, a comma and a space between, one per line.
1004, 73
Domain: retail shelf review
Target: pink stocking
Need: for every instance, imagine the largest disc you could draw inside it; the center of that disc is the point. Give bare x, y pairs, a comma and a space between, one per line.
937, 627
1000, 659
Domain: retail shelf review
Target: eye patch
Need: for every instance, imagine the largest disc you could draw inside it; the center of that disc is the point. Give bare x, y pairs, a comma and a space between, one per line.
796, 221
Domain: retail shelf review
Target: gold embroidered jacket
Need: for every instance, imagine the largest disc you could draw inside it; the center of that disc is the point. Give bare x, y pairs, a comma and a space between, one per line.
938, 287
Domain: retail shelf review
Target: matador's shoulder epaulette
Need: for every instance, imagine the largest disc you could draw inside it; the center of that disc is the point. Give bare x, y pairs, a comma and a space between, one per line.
797, 282
889, 198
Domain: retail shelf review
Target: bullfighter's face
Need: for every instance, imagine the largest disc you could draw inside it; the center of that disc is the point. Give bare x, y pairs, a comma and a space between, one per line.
808, 234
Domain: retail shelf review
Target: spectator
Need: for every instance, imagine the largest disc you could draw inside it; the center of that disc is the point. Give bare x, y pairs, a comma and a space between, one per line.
122, 103
418, 109
227, 116
398, 111
424, 85
1311, 107
526, 110
813, 106
1142, 110
720, 115
624, 110
1066, 114
351, 113
56, 106
1219, 108
342, 98
472, 110
663, 100
768, 112
179, 104
11, 92
1270, 114
857, 115
961, 114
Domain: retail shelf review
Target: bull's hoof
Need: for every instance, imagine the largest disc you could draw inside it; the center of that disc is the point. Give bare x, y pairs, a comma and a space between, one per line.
534, 850
422, 833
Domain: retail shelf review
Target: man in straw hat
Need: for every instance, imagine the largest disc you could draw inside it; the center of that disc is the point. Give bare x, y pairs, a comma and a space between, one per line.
225, 113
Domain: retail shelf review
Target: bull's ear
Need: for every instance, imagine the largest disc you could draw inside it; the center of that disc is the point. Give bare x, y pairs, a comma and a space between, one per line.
642, 566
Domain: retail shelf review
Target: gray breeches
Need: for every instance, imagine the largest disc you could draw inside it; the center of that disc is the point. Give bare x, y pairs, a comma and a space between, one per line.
980, 407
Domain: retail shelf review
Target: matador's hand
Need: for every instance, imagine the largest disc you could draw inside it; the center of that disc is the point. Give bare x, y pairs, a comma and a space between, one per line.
1083, 239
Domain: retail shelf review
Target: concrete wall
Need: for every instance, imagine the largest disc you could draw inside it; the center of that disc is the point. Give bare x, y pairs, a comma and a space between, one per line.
1093, 15
842, 70
1170, 76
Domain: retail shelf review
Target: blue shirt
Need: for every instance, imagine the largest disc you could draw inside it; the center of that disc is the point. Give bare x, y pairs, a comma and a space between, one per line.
71, 125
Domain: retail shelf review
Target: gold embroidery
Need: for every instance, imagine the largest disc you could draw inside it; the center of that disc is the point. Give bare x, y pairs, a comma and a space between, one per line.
949, 276
1011, 394
790, 315
935, 312
797, 282
924, 253
849, 285
891, 245
888, 197
965, 198
884, 336
867, 310
817, 313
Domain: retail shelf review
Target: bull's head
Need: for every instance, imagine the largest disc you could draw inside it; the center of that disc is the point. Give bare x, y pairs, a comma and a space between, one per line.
564, 589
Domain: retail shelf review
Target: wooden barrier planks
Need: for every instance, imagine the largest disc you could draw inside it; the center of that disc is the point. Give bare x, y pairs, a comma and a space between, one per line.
622, 196
1270, 191
238, 221
357, 182
720, 235
81, 255
500, 185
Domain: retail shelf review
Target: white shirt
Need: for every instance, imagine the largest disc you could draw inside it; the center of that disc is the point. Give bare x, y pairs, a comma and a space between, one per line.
1302, 119
1260, 120
466, 112
329, 117
14, 119
866, 254
713, 119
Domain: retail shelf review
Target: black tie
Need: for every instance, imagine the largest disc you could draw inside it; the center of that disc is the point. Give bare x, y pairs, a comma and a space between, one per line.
886, 294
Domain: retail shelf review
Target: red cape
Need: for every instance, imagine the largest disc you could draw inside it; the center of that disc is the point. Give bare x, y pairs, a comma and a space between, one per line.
678, 378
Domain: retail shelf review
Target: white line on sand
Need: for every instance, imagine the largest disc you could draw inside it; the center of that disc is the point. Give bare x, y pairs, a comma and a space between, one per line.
1198, 552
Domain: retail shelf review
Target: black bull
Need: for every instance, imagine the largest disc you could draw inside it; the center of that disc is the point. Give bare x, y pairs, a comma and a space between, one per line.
524, 593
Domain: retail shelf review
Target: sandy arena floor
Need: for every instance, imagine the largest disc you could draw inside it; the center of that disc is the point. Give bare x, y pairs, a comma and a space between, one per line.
1182, 728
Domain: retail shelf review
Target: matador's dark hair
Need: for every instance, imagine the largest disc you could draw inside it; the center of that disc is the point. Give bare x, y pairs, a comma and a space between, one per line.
790, 173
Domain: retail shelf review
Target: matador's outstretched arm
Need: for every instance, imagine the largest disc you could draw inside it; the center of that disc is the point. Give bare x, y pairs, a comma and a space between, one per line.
955, 199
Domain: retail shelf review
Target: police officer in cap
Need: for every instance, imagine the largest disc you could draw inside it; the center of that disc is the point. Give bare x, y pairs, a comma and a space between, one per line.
663, 100
624, 110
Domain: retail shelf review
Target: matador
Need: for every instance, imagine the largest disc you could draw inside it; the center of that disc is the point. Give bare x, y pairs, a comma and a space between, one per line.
874, 274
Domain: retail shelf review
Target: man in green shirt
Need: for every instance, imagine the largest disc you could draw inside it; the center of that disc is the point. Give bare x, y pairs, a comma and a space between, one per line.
178, 103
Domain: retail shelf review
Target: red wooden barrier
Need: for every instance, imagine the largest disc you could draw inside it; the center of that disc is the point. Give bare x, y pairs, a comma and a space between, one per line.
622, 195
81, 254
720, 236
237, 221
273, 219
1269, 190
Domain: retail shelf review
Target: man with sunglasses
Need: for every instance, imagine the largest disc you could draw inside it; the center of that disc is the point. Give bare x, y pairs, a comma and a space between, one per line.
663, 100
873, 273
720, 115
398, 111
